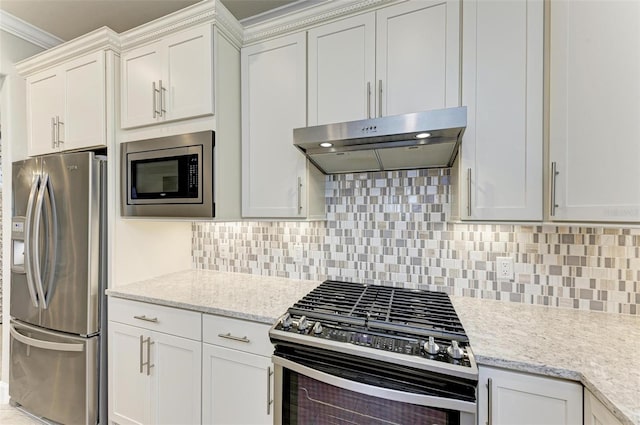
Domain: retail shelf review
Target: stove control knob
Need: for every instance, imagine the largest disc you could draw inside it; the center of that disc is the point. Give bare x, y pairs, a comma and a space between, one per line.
286, 321
455, 351
303, 323
431, 347
317, 328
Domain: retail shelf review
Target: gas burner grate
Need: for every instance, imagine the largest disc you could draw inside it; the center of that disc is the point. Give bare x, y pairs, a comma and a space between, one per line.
413, 313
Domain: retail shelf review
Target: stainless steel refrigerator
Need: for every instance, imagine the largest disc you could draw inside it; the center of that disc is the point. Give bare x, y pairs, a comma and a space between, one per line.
58, 277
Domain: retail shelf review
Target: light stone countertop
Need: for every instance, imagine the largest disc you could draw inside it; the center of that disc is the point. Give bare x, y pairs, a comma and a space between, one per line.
600, 350
243, 296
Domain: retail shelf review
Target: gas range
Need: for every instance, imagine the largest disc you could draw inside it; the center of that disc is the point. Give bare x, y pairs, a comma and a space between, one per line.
418, 329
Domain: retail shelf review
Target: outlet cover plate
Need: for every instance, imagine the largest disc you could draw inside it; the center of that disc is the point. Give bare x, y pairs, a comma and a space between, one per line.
504, 268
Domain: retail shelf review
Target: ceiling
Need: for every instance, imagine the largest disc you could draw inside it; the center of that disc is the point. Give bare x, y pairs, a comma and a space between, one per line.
68, 19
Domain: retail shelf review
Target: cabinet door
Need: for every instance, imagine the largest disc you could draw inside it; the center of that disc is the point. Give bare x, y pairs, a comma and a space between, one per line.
596, 413
129, 388
189, 74
273, 104
175, 379
342, 70
502, 87
511, 398
417, 57
594, 109
141, 69
84, 102
44, 103
237, 387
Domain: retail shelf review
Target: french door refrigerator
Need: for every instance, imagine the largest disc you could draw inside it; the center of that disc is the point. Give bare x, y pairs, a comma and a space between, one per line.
58, 277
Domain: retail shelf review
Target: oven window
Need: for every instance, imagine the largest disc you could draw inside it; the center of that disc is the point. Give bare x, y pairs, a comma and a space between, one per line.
165, 178
308, 401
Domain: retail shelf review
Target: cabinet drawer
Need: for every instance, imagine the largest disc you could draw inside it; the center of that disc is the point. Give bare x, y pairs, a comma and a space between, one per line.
174, 321
237, 334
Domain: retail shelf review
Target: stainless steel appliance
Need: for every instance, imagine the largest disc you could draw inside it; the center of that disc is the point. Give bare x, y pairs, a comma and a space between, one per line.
58, 277
362, 354
168, 176
417, 140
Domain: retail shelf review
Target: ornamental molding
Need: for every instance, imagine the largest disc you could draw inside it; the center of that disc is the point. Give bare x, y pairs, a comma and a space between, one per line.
24, 30
204, 12
302, 19
101, 39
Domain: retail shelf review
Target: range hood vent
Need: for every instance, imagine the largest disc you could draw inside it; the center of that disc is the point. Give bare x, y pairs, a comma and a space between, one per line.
428, 139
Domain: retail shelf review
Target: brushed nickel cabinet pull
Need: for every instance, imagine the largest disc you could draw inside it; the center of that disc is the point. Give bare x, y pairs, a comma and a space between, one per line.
58, 122
161, 91
149, 365
234, 338
554, 174
369, 99
146, 319
469, 192
155, 101
299, 195
269, 399
380, 98
490, 411
53, 132
141, 355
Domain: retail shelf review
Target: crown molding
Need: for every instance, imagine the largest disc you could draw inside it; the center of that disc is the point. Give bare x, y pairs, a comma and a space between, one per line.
203, 12
24, 30
101, 39
299, 17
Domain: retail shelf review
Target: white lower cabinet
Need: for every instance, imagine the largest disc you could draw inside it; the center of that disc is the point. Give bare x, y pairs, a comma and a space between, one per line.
154, 376
513, 398
237, 373
596, 413
236, 387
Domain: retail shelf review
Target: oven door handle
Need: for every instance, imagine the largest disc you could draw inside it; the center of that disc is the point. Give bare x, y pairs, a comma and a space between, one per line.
385, 393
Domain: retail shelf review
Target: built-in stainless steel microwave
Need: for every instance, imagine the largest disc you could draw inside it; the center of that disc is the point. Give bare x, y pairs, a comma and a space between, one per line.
168, 176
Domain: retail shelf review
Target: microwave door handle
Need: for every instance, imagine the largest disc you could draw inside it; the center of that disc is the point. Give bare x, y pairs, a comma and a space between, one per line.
37, 275
28, 241
52, 244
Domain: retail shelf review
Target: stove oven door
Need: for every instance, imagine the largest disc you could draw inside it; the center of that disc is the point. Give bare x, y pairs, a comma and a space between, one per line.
306, 395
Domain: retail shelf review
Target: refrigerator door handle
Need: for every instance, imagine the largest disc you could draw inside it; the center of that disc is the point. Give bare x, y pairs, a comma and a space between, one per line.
52, 243
45, 345
37, 274
28, 239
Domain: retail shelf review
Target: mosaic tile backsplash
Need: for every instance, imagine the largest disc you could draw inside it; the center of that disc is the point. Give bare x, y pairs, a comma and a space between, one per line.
391, 228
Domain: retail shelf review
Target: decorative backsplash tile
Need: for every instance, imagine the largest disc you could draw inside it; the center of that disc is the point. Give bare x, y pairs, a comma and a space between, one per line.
391, 228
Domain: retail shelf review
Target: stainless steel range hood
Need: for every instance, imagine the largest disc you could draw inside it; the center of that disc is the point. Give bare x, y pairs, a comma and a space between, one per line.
418, 140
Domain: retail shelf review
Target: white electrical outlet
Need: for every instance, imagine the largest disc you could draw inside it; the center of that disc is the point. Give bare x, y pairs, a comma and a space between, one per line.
224, 249
504, 268
297, 253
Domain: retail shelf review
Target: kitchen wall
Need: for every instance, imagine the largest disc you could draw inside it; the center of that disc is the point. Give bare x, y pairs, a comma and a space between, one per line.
391, 228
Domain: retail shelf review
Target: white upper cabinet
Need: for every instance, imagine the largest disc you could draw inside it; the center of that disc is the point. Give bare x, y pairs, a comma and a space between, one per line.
594, 129
417, 56
169, 79
85, 102
277, 180
500, 165
66, 105
342, 70
398, 59
45, 106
